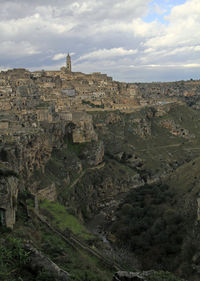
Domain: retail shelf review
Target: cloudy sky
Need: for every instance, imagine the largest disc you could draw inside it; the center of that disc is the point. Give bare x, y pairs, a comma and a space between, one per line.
131, 40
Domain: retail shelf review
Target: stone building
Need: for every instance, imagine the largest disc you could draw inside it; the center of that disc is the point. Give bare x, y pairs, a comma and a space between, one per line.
69, 66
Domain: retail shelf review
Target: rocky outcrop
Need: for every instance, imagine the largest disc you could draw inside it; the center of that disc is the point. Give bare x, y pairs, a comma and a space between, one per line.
30, 149
48, 193
132, 276
131, 159
144, 276
143, 128
83, 132
82, 129
8, 198
93, 153
175, 129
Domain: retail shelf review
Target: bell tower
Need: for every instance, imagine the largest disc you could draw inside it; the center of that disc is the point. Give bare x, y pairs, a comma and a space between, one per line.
68, 63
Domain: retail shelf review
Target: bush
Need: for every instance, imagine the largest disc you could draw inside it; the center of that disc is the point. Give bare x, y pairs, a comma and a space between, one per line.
13, 257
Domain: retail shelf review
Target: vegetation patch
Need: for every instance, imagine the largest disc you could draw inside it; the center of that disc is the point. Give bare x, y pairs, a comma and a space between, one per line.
153, 228
63, 220
76, 147
79, 264
12, 258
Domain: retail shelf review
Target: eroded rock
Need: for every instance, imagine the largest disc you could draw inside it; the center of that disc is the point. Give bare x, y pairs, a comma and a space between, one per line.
8, 197
93, 153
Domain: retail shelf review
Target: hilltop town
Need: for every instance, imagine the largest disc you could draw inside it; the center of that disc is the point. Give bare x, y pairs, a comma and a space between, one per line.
31, 97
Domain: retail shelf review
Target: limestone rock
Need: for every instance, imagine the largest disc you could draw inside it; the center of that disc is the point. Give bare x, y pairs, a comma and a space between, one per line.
175, 129
143, 128
8, 200
48, 193
81, 128
131, 276
93, 153
83, 132
131, 159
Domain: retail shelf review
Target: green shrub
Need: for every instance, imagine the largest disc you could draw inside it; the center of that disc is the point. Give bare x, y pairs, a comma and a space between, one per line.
13, 257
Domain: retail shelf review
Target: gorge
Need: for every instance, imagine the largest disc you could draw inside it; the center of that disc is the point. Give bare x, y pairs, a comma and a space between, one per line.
84, 157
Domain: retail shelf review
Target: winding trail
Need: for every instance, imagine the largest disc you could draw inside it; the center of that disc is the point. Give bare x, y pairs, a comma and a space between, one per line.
161, 146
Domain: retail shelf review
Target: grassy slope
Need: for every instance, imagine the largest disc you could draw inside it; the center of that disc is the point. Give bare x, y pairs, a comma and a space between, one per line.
186, 179
80, 264
63, 220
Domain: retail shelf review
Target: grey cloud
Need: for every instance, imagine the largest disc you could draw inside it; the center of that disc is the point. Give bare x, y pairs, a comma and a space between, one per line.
34, 32
93, 9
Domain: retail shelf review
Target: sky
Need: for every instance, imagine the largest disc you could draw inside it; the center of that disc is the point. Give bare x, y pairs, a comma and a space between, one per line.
130, 40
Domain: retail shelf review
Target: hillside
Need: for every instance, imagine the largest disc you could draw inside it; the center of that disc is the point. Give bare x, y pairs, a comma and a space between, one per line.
98, 176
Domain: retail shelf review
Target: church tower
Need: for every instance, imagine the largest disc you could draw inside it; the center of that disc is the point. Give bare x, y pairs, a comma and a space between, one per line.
68, 62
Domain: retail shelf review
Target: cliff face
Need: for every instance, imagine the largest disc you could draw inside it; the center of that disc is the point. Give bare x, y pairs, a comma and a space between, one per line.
8, 200
28, 150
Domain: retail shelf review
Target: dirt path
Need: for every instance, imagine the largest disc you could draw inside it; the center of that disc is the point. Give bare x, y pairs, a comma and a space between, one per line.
161, 146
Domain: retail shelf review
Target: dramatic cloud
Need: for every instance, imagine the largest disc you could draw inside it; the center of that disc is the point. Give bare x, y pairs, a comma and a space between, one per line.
105, 53
140, 40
